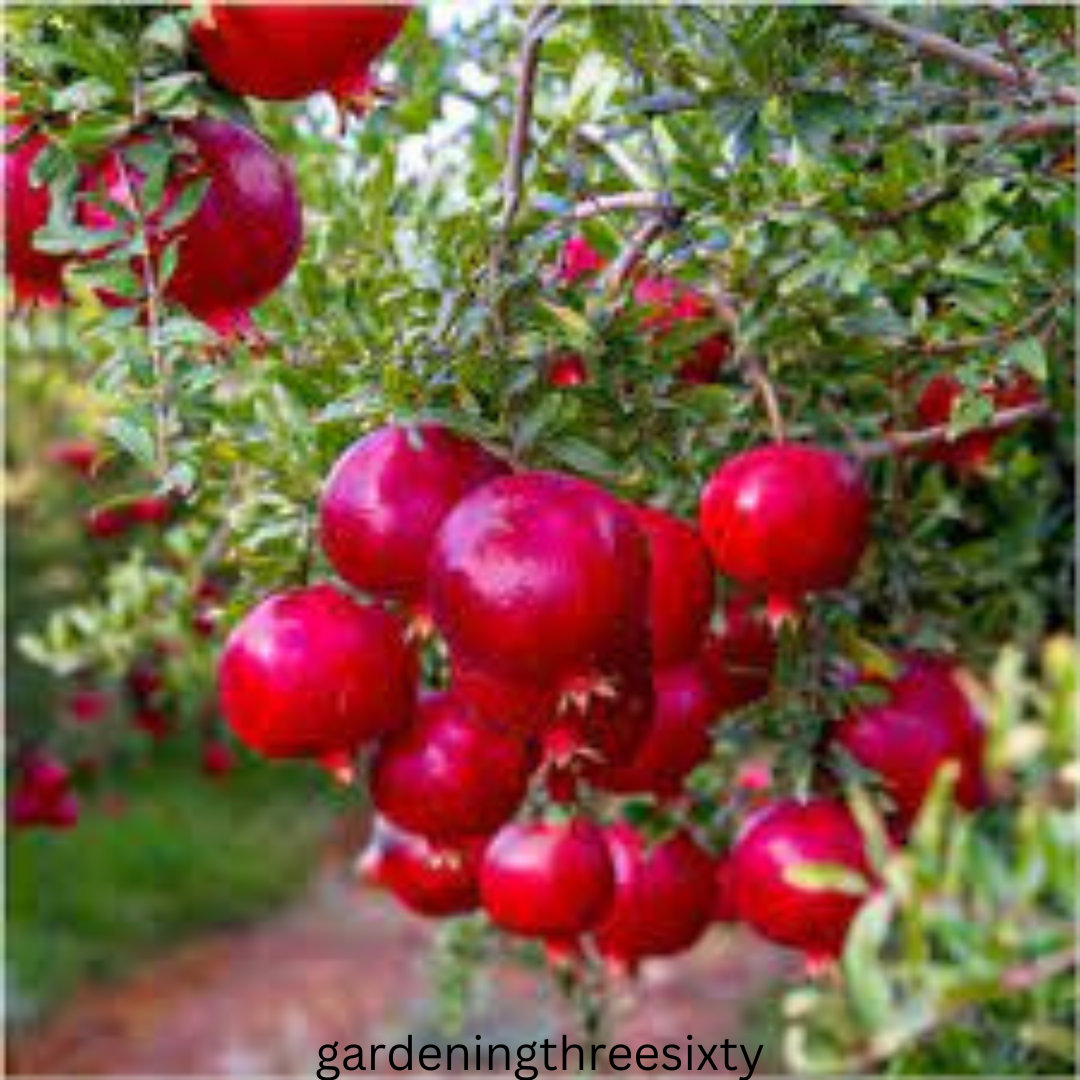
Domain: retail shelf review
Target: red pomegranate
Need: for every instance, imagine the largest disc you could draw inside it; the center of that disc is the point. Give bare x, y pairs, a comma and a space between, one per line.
282, 52
666, 304
578, 261
243, 240
664, 896
677, 739
218, 759
81, 456
551, 880
154, 722
505, 704
446, 776
971, 452
566, 370
926, 722
311, 671
740, 656
540, 577
108, 522
153, 510
42, 794
46, 776
429, 879
787, 520
87, 705
774, 844
36, 277
386, 497
681, 585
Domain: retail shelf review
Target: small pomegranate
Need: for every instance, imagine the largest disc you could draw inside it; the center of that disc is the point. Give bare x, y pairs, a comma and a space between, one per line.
144, 681
681, 585
429, 879
539, 577
740, 656
218, 759
786, 520
578, 261
775, 843
667, 303
80, 456
386, 497
108, 522
550, 880
155, 510
446, 776
153, 722
46, 776
341, 765
566, 370
87, 705
243, 240
42, 795
664, 896
310, 671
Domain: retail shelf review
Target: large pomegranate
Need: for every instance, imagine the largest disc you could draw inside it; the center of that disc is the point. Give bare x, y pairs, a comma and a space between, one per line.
664, 896
551, 880
36, 277
446, 776
311, 671
386, 497
787, 520
282, 52
540, 577
779, 840
739, 656
681, 585
429, 879
926, 722
243, 240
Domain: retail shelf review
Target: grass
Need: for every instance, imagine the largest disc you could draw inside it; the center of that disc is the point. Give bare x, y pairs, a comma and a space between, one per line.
188, 854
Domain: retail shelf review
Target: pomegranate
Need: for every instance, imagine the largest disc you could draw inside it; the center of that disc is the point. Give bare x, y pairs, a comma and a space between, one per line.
108, 522
740, 656
243, 240
666, 304
506, 704
310, 671
566, 370
429, 879
779, 840
445, 776
787, 520
154, 722
36, 277
926, 722
540, 577
386, 497
144, 681
42, 794
664, 896
969, 453
81, 456
283, 52
681, 585
578, 261
151, 510
677, 739
87, 705
218, 759
550, 880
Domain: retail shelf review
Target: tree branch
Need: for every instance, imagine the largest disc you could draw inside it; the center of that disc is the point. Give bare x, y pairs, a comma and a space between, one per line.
622, 269
1041, 126
758, 378
650, 202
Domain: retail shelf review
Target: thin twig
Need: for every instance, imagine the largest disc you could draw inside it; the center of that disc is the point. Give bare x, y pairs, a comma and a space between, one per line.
647, 202
945, 48
1030, 129
758, 378
627, 261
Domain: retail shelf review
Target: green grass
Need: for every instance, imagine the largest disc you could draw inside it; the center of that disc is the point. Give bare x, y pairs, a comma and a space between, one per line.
189, 854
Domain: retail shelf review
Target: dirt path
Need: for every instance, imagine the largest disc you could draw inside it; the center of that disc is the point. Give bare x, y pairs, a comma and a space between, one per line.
350, 966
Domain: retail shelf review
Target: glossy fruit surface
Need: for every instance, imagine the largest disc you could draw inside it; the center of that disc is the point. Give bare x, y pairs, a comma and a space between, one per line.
566, 370
311, 671
386, 497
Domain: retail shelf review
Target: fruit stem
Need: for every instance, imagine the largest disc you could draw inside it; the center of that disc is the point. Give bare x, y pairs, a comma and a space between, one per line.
759, 379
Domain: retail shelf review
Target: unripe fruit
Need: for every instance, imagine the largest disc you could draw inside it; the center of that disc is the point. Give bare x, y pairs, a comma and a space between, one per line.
311, 671
87, 705
504, 704
386, 497
787, 520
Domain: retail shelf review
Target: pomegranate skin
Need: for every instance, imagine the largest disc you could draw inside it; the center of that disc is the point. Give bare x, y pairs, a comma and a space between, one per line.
539, 577
547, 880
682, 588
310, 671
578, 261
445, 776
677, 740
664, 896
283, 52
666, 303
386, 497
36, 277
501, 703
787, 520
567, 370
785, 835
434, 880
80, 456
240, 244
740, 656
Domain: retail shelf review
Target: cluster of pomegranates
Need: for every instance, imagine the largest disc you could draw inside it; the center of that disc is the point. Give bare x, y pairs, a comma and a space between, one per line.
512, 653
245, 236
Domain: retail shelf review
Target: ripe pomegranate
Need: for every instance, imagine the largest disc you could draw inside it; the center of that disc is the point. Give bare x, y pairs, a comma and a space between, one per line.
81, 456
926, 722
681, 585
154, 722
677, 739
971, 452
780, 839
218, 759
551, 880
87, 705
429, 879
46, 776
539, 577
36, 277
505, 704
445, 776
786, 520
664, 896
151, 510
386, 497
740, 656
310, 671
566, 370
282, 52
667, 303
240, 244
42, 795
578, 261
